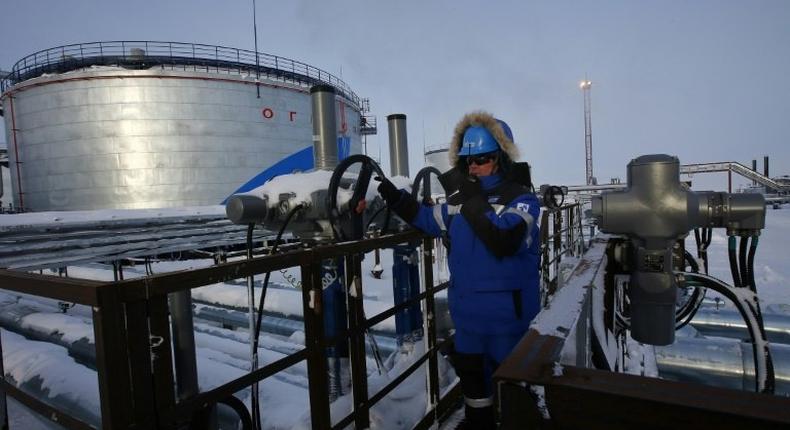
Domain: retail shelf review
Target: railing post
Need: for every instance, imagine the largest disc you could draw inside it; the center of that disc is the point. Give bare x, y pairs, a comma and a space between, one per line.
112, 359
161, 360
312, 305
545, 267
579, 214
142, 376
570, 246
3, 405
430, 323
557, 236
357, 321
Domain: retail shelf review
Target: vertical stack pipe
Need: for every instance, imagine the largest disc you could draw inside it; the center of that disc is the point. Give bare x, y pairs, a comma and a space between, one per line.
754, 169
405, 268
399, 151
765, 167
324, 127
767, 175
333, 295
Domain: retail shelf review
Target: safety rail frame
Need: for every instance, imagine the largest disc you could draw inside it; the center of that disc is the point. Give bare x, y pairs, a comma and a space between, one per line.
136, 378
191, 56
561, 234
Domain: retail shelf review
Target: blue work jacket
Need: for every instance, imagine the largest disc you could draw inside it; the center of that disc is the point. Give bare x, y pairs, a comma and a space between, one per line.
494, 261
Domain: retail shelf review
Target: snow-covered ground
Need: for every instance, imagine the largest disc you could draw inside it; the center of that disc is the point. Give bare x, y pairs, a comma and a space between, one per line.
223, 353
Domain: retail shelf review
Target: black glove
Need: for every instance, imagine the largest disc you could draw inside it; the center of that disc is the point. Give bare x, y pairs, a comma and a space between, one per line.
470, 188
388, 191
401, 203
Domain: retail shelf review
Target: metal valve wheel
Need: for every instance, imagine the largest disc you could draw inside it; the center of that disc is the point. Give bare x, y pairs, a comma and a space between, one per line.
347, 222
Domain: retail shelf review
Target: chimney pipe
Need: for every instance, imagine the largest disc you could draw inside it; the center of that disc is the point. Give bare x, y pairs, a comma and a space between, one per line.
324, 127
399, 150
765, 167
754, 169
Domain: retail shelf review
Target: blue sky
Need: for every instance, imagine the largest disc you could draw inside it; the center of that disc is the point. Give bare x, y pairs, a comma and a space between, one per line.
703, 80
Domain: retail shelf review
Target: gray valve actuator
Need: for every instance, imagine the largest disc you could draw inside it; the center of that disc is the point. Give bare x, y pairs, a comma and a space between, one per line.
654, 211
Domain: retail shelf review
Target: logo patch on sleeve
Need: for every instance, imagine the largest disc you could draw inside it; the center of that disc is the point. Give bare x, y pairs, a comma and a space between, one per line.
522, 207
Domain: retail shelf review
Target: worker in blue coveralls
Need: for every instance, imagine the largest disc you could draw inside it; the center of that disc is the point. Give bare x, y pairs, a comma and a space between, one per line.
493, 254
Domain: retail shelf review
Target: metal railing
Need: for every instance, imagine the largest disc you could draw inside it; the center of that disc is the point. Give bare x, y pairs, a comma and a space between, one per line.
175, 55
562, 235
136, 377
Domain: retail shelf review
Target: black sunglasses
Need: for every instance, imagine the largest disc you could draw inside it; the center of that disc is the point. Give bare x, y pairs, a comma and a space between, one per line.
480, 159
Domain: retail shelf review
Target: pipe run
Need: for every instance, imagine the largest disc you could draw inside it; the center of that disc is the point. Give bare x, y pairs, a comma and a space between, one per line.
728, 323
720, 362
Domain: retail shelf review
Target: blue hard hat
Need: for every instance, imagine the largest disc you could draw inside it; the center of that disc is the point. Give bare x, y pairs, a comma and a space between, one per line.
506, 129
477, 140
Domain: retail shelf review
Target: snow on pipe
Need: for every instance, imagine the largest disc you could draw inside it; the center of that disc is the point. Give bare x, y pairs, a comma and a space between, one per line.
31, 322
720, 362
399, 150
44, 371
45, 324
324, 127
654, 211
274, 325
728, 323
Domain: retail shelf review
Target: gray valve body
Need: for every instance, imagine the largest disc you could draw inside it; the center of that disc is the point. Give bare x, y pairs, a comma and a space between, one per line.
655, 211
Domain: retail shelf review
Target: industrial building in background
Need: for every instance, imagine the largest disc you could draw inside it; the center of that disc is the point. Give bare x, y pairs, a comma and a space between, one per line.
159, 124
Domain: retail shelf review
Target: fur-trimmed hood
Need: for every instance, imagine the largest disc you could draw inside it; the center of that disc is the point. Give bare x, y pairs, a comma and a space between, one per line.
483, 119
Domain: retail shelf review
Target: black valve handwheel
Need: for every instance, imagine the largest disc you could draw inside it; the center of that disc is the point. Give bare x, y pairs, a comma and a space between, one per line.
347, 223
424, 178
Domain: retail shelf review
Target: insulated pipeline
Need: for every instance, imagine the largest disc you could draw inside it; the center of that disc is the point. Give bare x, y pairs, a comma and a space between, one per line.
762, 355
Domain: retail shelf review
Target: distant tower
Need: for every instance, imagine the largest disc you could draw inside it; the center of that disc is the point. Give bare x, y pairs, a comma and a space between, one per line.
585, 86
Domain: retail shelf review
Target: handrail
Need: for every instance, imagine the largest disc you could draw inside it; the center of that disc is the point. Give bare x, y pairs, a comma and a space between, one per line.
561, 235
143, 54
128, 314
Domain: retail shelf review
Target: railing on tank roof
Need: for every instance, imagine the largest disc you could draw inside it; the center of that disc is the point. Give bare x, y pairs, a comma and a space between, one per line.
145, 54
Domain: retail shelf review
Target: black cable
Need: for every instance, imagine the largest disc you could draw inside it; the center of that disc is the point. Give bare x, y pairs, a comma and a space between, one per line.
256, 419
743, 250
753, 287
736, 279
698, 242
375, 214
237, 405
750, 264
707, 237
266, 278
686, 313
254, 400
755, 333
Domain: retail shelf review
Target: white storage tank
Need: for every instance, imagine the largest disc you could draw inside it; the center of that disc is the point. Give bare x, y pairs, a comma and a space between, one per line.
155, 124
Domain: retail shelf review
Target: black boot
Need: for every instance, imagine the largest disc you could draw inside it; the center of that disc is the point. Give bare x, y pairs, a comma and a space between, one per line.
479, 409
